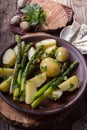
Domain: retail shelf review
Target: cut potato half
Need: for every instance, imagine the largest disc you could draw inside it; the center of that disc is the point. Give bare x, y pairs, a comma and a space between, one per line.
5, 85
50, 49
6, 72
70, 84
39, 79
29, 92
46, 43
9, 57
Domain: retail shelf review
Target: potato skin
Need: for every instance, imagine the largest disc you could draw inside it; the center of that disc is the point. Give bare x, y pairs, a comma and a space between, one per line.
62, 54
51, 67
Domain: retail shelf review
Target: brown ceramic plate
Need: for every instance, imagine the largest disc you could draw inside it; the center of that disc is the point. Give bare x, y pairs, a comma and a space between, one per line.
49, 107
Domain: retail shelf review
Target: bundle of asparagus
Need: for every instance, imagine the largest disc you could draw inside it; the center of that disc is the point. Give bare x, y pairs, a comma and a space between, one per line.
53, 66
21, 70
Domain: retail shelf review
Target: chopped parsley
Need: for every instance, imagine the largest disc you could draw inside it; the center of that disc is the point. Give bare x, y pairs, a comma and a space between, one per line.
55, 96
6, 66
71, 87
16, 85
34, 14
45, 55
44, 68
5, 77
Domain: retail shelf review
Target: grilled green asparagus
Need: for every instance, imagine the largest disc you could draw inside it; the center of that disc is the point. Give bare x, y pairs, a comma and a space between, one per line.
47, 89
19, 79
26, 71
17, 64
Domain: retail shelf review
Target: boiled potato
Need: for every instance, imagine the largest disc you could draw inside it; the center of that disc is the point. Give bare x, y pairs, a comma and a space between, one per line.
29, 92
38, 80
6, 71
46, 43
50, 66
5, 85
70, 84
62, 54
50, 49
9, 57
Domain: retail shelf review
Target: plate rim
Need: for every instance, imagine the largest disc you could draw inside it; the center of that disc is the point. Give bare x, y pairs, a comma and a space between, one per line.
57, 110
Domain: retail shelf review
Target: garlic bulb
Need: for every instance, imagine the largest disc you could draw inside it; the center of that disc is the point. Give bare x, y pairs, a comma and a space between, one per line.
15, 20
25, 25
21, 3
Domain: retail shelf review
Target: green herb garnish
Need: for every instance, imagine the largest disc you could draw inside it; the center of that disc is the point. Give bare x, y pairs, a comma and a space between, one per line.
44, 68
71, 87
55, 96
34, 14
6, 66
5, 77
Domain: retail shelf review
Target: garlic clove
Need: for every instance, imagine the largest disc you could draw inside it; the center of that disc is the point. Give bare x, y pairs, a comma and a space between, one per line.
21, 3
15, 20
25, 25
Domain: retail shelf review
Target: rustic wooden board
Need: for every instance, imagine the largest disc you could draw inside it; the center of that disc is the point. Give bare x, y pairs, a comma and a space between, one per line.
56, 122
7, 9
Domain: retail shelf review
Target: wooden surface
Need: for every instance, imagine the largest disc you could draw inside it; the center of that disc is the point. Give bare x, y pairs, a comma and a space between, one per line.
7, 9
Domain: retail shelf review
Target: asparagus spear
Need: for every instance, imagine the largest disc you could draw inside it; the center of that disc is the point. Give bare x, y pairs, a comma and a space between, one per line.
17, 64
19, 79
47, 89
16, 93
54, 82
23, 62
44, 95
25, 55
47, 92
41, 91
17, 89
73, 66
64, 66
26, 71
32, 68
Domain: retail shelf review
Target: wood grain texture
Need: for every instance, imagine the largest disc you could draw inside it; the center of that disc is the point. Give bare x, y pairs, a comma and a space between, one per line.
79, 7
16, 116
7, 9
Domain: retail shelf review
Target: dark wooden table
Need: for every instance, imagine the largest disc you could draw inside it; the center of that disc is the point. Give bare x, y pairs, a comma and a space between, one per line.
7, 9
